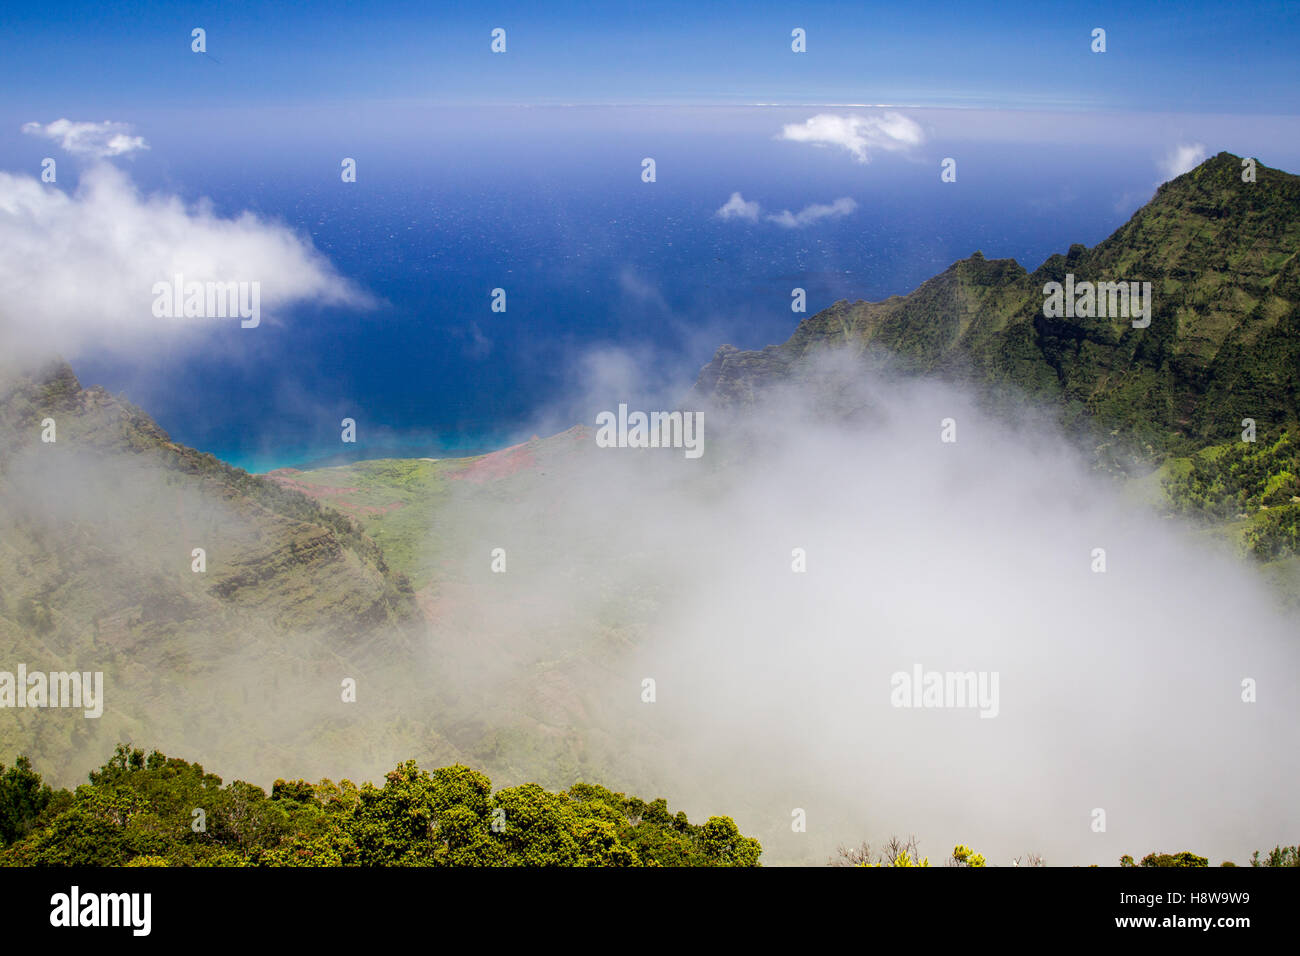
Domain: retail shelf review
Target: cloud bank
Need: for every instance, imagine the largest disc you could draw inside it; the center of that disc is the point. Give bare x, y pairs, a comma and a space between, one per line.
830, 540
859, 136
94, 140
79, 270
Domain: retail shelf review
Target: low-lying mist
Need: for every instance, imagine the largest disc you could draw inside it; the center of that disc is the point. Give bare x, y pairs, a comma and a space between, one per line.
1119, 692
827, 540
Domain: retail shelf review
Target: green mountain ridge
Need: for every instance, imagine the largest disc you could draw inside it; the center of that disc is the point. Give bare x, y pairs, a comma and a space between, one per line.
1223, 343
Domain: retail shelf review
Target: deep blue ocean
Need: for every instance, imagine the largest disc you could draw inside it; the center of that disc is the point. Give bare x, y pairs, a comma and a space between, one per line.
550, 205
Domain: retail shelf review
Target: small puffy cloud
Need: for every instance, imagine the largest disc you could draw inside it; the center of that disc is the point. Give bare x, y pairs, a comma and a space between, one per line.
1181, 159
859, 135
79, 270
737, 208
95, 140
814, 213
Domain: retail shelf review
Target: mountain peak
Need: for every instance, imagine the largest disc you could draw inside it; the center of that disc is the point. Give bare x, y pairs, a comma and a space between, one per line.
1217, 247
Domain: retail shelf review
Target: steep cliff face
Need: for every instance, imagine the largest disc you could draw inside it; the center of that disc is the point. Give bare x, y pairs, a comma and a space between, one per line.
98, 572
1220, 254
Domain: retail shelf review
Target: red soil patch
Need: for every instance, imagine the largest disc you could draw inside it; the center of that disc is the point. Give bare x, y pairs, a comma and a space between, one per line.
499, 464
281, 476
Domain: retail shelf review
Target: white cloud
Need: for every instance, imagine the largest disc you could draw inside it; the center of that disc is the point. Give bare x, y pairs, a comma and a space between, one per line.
814, 213
1120, 693
96, 140
79, 270
1182, 158
859, 135
737, 208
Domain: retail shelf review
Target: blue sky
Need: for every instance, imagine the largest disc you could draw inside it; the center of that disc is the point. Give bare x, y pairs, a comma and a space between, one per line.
1188, 56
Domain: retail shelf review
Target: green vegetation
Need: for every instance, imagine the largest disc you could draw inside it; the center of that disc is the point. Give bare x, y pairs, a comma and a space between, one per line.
1225, 481
398, 503
898, 852
1252, 482
1223, 343
1278, 856
411, 507
23, 798
1183, 859
154, 810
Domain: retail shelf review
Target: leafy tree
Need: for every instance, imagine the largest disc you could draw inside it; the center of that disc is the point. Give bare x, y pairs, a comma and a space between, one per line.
965, 856
1278, 856
22, 798
724, 845
394, 825
1184, 859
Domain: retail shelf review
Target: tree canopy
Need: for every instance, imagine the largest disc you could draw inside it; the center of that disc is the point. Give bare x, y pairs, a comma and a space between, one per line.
153, 810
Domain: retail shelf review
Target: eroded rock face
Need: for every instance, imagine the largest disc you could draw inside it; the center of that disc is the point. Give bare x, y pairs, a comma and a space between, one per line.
101, 530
